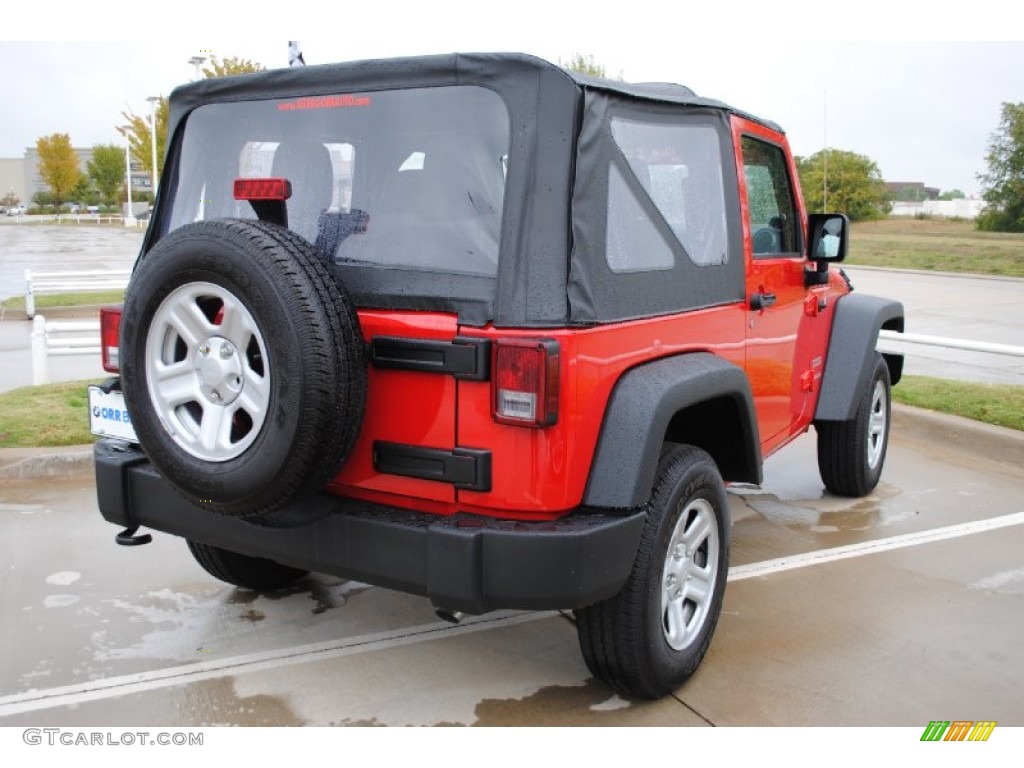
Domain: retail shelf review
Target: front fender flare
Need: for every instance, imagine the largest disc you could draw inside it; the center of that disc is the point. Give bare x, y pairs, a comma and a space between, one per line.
850, 359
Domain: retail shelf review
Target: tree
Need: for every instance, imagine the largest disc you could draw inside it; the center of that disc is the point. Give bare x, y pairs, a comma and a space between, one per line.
231, 65
58, 165
140, 137
585, 65
106, 169
952, 194
854, 185
9, 200
1003, 184
138, 132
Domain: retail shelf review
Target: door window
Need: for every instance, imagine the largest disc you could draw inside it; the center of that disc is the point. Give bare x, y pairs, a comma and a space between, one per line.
773, 222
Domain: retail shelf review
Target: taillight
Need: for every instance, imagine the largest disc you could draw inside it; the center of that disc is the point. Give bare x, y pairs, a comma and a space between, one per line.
255, 190
525, 381
110, 330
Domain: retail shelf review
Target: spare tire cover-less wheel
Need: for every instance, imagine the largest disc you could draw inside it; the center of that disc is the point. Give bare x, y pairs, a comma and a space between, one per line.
242, 365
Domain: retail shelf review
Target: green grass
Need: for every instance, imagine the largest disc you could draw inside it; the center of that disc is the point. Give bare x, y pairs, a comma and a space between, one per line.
999, 404
66, 300
941, 245
45, 416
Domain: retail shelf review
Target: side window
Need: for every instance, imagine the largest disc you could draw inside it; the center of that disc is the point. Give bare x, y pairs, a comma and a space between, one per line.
774, 228
679, 168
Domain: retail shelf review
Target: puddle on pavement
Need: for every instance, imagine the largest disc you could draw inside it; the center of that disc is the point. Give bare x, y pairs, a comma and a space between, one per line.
591, 704
216, 702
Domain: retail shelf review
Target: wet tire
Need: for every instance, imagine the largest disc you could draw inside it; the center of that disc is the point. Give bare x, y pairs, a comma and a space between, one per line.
242, 570
851, 453
650, 638
242, 365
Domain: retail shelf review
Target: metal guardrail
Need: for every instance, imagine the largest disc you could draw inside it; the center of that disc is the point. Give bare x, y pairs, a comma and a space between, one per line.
950, 343
72, 337
71, 282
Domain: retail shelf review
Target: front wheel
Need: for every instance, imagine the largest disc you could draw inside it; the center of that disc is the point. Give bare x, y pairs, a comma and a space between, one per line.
650, 638
851, 453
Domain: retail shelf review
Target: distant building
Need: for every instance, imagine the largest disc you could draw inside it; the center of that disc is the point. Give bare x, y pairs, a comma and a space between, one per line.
910, 191
961, 208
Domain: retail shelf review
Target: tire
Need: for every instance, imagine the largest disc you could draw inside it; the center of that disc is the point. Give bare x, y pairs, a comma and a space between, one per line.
242, 570
851, 453
242, 365
650, 638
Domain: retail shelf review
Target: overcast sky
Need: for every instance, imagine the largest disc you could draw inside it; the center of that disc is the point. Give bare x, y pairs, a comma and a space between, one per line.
923, 108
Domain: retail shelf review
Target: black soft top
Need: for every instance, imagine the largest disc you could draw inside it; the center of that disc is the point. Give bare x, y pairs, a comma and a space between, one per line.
412, 72
552, 269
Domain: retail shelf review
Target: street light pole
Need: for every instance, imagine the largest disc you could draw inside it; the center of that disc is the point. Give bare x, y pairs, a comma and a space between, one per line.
197, 62
152, 124
130, 218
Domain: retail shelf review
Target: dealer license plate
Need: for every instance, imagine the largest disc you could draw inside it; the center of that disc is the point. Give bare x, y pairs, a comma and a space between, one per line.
108, 417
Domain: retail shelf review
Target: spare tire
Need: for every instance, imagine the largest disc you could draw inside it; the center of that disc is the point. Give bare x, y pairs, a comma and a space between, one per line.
242, 365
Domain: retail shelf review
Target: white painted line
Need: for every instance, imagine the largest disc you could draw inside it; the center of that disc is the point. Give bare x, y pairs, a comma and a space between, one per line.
766, 567
141, 682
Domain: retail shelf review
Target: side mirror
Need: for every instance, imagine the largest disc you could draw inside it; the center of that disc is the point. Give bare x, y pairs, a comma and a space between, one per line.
827, 243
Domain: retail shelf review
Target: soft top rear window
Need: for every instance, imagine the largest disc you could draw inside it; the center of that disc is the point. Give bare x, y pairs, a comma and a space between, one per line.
410, 178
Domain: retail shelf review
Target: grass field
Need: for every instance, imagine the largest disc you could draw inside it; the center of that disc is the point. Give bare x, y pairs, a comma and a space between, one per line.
66, 300
999, 404
48, 415
942, 245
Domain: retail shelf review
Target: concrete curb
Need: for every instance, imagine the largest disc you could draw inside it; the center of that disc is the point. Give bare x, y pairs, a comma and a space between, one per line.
1000, 445
36, 463
984, 441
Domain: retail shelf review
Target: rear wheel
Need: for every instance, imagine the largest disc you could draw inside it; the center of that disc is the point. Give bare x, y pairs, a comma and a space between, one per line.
243, 570
650, 638
851, 453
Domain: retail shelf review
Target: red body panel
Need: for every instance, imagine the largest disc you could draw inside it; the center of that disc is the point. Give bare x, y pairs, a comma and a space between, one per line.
403, 407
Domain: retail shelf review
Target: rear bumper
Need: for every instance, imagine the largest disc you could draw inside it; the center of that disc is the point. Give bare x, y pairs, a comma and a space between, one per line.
466, 562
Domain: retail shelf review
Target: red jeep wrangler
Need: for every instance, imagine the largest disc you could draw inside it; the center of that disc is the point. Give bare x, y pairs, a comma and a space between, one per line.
481, 329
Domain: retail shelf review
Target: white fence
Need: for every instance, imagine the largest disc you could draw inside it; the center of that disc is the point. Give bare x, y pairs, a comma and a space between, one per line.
948, 343
71, 337
37, 283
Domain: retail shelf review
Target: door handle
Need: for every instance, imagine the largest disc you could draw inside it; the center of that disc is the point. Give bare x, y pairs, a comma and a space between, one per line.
761, 301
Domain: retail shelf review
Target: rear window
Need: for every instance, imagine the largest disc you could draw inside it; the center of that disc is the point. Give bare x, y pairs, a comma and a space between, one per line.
410, 178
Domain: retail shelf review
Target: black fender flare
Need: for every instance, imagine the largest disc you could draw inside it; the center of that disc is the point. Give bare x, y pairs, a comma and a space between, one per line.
641, 408
850, 360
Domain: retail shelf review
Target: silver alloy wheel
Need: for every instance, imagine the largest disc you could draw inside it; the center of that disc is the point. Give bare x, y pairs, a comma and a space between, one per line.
207, 371
877, 419
690, 573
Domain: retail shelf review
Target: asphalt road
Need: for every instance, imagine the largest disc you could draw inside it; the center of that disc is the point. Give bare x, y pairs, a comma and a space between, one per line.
898, 609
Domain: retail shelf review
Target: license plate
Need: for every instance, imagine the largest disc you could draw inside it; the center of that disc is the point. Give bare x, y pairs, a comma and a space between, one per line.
108, 417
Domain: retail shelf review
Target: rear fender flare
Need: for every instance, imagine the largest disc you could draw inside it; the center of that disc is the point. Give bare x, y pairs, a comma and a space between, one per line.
640, 411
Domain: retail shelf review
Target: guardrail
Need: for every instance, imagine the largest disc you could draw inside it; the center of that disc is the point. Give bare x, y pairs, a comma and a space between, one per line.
72, 337
949, 343
37, 283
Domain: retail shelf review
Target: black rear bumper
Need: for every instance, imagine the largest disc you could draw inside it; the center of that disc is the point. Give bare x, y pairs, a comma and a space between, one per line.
467, 563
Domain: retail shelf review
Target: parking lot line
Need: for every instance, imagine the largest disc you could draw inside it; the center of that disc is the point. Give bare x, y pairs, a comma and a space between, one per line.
123, 685
818, 557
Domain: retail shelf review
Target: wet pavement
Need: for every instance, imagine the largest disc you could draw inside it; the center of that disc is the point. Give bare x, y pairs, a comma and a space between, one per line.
920, 618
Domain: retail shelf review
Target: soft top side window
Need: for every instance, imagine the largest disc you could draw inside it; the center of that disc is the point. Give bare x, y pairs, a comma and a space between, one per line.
678, 168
